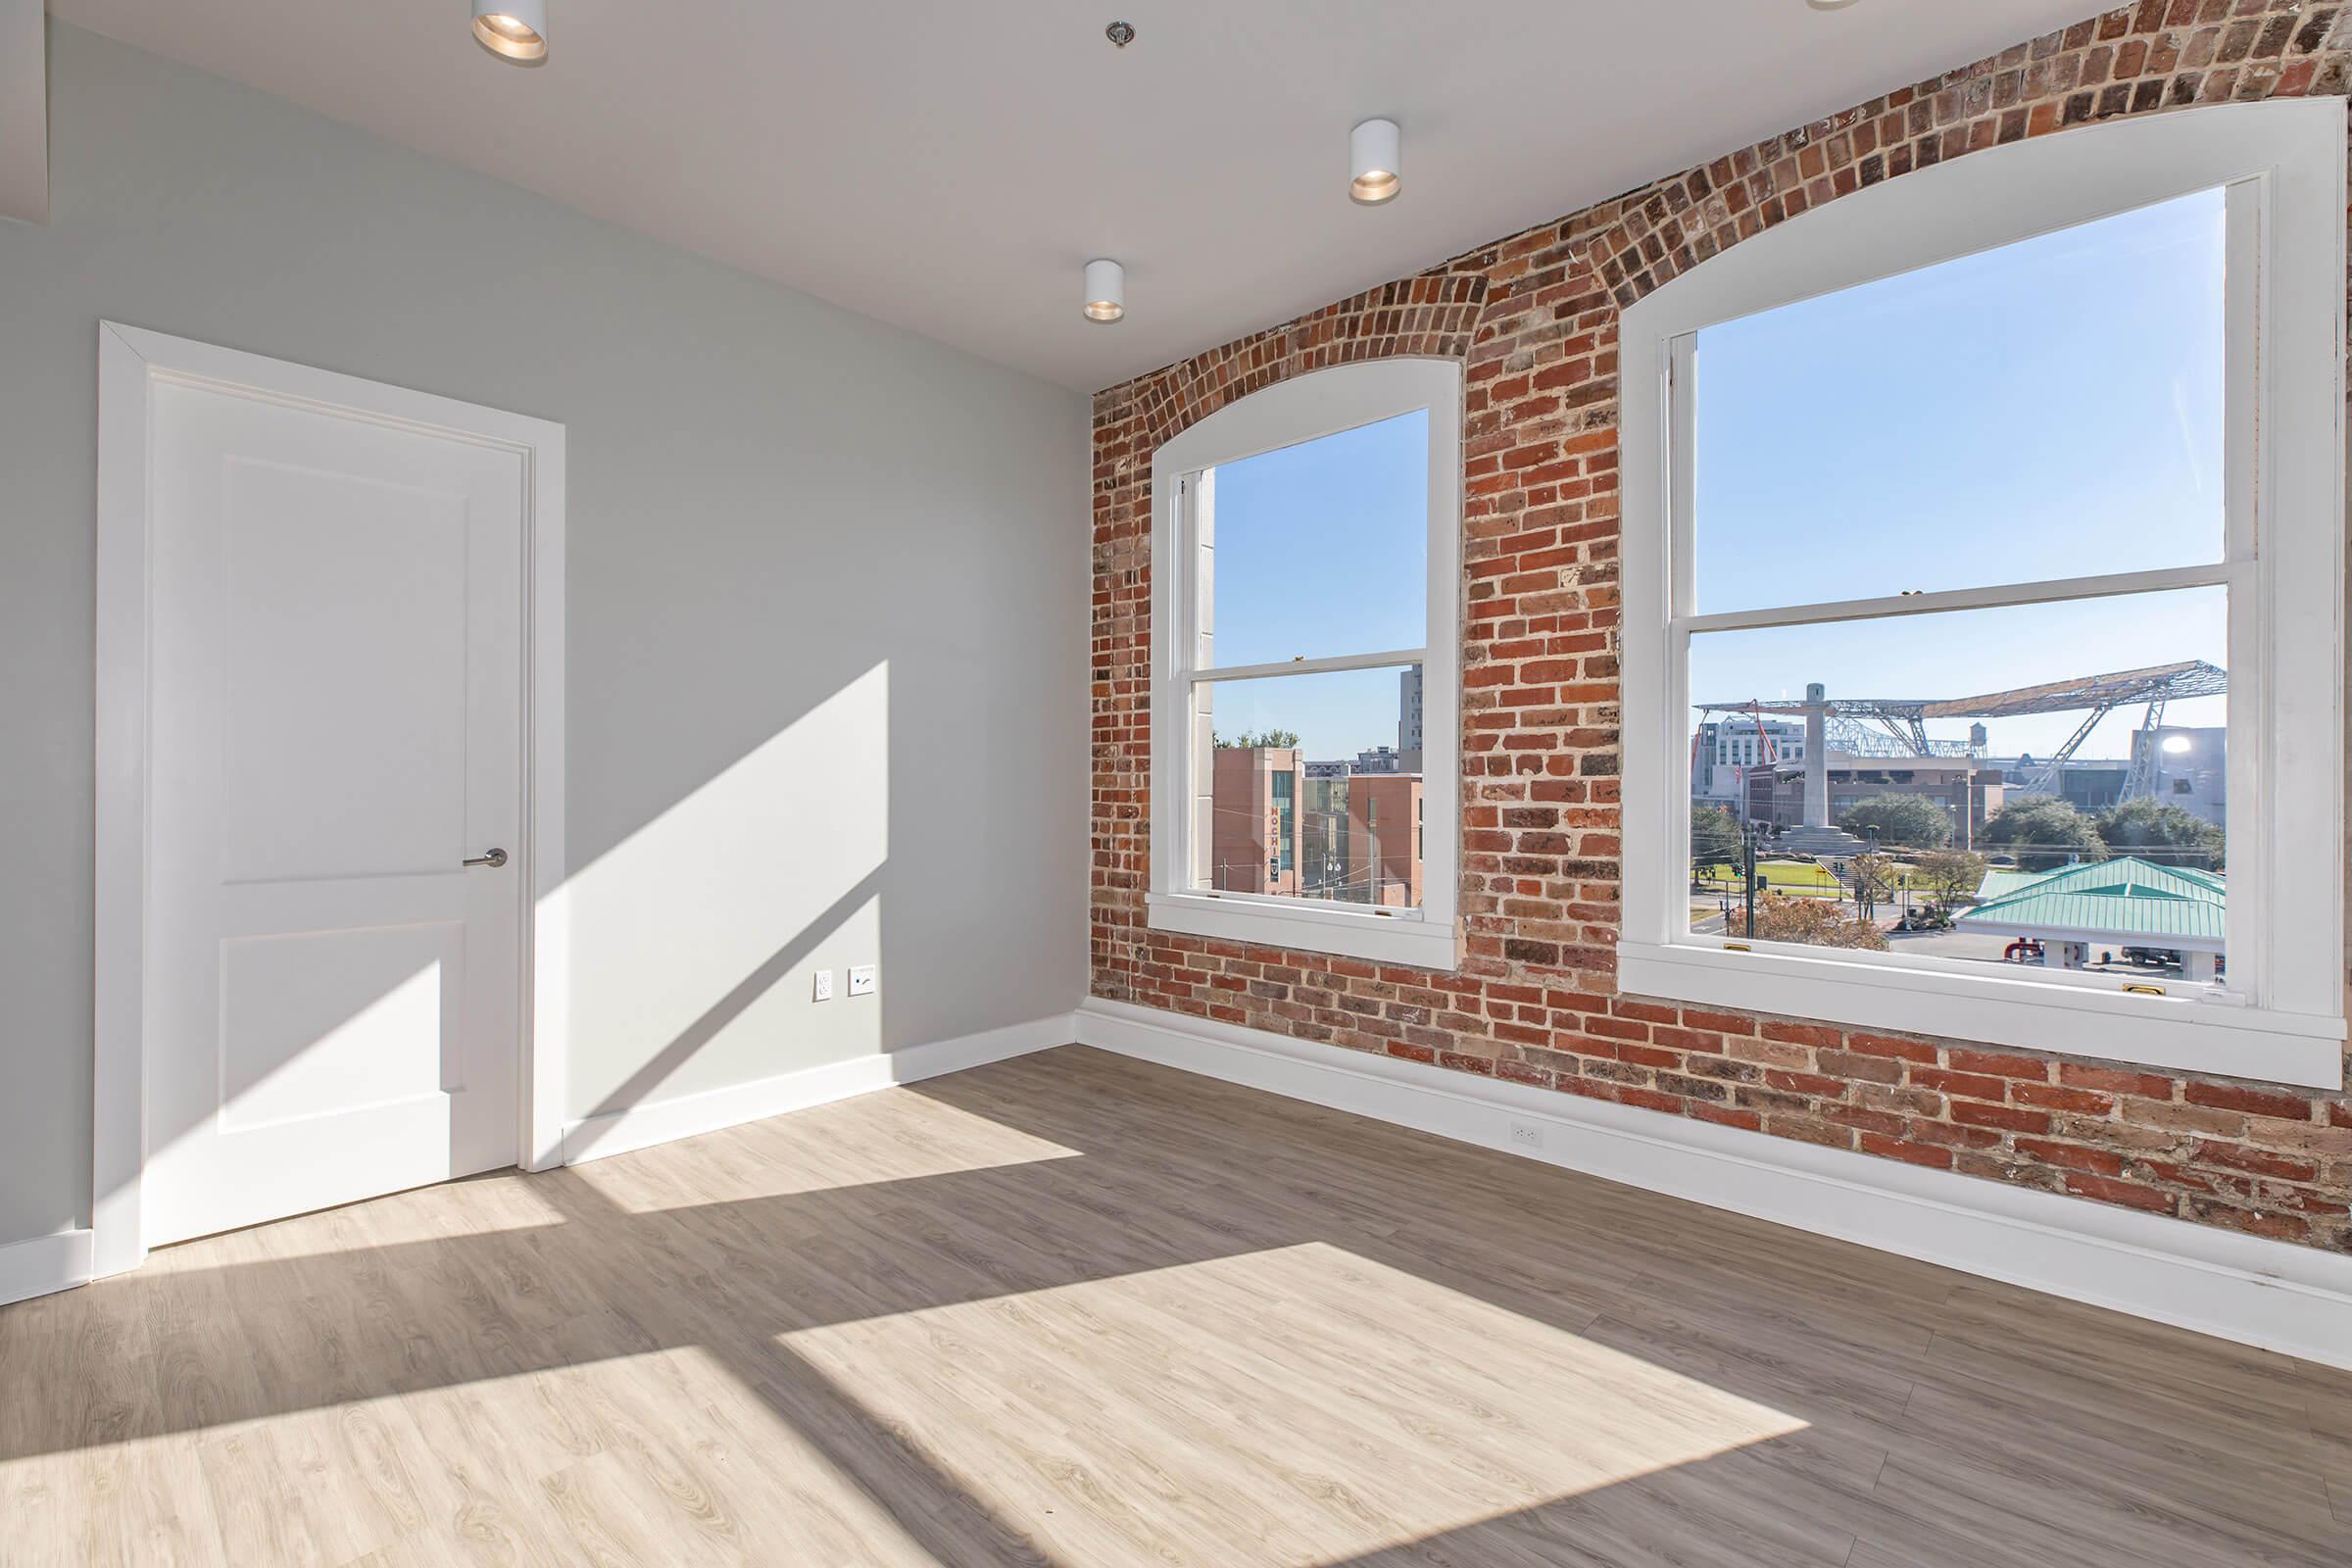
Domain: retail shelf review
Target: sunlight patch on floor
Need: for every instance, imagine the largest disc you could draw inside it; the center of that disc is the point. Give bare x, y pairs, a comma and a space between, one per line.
494, 1206
590, 1458
1296, 1405
858, 1142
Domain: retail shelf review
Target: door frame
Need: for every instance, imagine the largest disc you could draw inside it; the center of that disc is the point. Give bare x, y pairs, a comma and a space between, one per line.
131, 362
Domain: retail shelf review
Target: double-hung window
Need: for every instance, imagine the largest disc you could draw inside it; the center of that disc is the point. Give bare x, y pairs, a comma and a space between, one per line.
1995, 517
1306, 625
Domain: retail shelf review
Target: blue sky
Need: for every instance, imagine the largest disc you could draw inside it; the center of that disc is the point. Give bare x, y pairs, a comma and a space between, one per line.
2049, 410
1323, 549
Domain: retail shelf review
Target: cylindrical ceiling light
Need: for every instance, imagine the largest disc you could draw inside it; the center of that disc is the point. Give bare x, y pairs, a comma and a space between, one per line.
1106, 290
512, 30
1378, 168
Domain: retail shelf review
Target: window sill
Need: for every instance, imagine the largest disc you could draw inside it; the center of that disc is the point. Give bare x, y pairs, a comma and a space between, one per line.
1410, 939
2172, 1033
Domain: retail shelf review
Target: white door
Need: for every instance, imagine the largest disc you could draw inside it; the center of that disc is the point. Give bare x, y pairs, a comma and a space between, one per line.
336, 675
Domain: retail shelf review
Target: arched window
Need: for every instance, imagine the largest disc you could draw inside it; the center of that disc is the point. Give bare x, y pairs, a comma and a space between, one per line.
2021, 476
1305, 656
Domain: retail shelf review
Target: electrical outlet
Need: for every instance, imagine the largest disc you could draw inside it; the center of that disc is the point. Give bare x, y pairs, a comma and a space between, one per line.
861, 980
825, 986
1526, 1135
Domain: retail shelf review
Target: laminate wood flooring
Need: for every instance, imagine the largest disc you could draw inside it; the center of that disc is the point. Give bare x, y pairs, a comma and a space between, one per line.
1080, 1311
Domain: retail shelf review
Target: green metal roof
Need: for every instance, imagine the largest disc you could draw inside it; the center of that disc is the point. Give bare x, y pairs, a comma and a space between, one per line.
2124, 899
1999, 884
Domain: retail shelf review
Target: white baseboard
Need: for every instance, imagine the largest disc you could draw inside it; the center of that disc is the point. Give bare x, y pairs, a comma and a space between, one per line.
2273, 1294
44, 1263
659, 1121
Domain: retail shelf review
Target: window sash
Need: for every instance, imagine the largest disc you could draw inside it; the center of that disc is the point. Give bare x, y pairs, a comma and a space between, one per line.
1391, 659
1289, 412
1296, 901
2238, 571
2053, 590
1194, 677
2283, 167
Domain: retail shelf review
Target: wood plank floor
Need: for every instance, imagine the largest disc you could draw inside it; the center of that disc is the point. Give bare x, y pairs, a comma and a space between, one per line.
1076, 1310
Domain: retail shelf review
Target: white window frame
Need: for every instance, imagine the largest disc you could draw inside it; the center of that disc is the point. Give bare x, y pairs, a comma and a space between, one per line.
2280, 1018
1303, 408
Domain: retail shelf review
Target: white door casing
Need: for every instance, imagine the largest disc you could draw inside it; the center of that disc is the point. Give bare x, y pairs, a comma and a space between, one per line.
325, 658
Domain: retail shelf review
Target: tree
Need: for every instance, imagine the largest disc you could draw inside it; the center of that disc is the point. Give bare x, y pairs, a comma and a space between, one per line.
2044, 833
2162, 832
1248, 740
1714, 839
1873, 877
1949, 875
1814, 922
1913, 822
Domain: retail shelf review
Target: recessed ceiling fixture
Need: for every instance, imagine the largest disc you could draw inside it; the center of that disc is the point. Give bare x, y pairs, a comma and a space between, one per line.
1829, 5
1373, 155
512, 30
1106, 290
1122, 33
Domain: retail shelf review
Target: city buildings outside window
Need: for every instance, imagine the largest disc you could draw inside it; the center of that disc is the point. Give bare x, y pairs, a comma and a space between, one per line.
1285, 816
1984, 560
1307, 560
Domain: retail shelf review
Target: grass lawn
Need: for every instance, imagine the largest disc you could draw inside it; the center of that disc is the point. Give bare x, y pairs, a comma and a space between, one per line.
1800, 877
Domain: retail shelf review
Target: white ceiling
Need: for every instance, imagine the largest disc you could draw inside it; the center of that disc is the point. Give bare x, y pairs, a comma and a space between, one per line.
950, 165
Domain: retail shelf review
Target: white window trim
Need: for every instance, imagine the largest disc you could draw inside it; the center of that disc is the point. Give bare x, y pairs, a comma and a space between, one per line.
1304, 407
2284, 163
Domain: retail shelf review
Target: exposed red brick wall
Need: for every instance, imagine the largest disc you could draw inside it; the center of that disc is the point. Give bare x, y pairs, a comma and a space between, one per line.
1534, 319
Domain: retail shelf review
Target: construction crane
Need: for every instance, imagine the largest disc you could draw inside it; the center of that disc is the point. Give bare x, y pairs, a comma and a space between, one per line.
1767, 754
1904, 722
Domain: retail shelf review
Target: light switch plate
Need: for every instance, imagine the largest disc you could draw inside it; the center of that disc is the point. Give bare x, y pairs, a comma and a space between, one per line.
861, 980
825, 986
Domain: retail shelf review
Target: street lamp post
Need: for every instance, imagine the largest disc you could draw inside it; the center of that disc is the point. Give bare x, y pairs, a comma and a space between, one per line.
1747, 840
1864, 889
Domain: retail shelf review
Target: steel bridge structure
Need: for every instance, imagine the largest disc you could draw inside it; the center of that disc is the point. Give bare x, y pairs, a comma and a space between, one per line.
1897, 726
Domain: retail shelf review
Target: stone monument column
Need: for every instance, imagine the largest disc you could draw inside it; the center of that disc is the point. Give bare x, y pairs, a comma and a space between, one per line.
1817, 757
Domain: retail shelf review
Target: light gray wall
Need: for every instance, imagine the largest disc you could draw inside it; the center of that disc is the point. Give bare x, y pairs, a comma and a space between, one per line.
827, 592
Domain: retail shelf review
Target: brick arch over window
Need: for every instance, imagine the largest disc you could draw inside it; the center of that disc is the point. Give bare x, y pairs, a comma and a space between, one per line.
1534, 320
1434, 315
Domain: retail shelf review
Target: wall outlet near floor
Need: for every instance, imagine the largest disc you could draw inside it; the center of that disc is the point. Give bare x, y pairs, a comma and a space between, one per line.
1526, 1135
823, 990
861, 980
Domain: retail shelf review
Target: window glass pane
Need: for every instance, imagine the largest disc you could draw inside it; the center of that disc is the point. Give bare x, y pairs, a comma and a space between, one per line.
2051, 409
2043, 784
1316, 550
1304, 786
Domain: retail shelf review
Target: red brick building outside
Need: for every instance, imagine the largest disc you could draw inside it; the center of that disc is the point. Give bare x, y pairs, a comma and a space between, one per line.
1384, 839
1270, 821
1254, 838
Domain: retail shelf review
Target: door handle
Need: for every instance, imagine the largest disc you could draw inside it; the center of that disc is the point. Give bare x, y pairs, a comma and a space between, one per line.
494, 860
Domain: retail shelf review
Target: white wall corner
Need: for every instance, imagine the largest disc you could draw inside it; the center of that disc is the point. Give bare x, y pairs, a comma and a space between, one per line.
23, 112
44, 1263
2271, 1295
